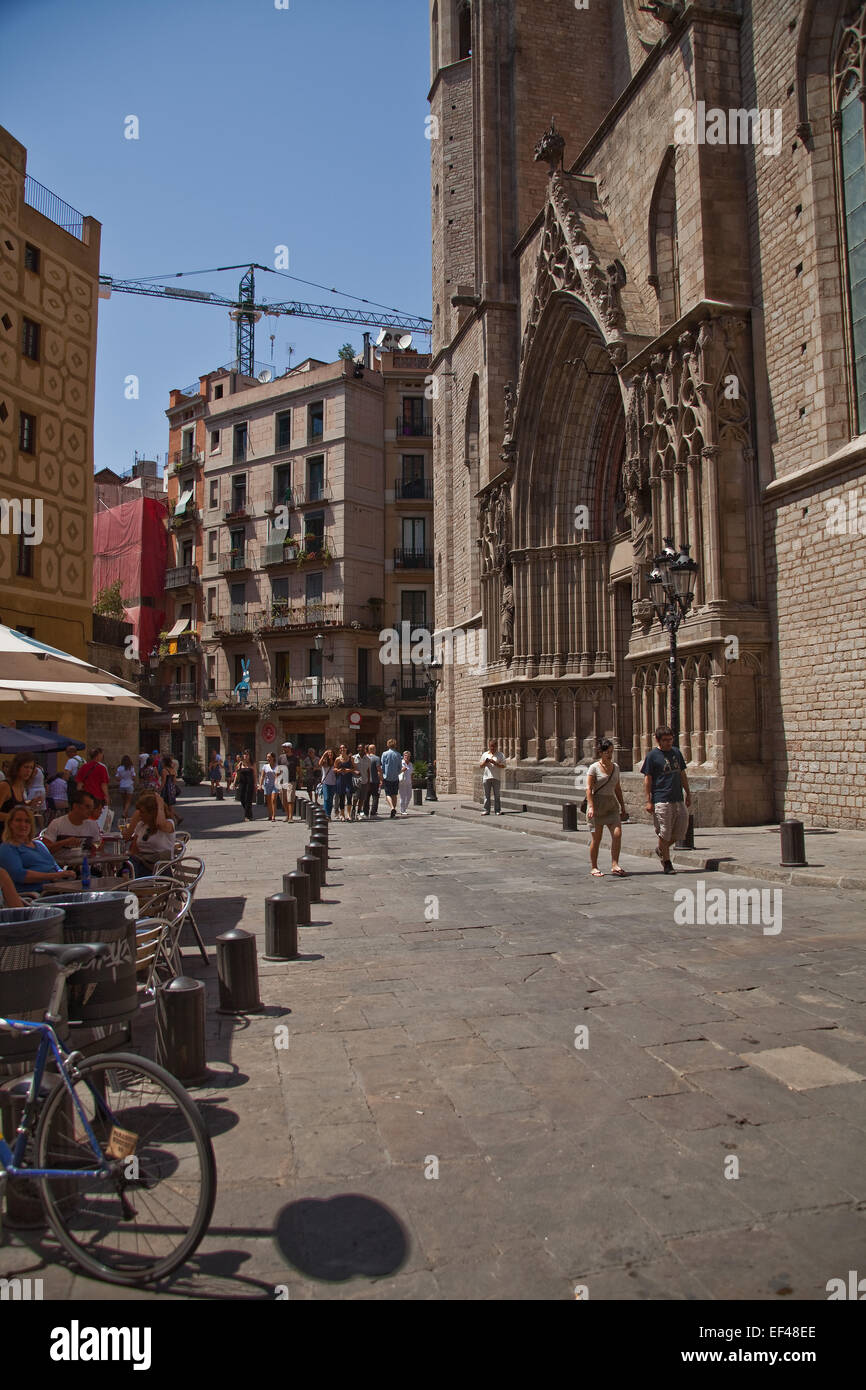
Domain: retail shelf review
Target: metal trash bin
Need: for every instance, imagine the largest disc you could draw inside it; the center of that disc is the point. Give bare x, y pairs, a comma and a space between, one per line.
569, 815
104, 991
26, 980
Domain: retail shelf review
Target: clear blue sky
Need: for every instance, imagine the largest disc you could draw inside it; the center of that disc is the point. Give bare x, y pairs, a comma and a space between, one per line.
258, 127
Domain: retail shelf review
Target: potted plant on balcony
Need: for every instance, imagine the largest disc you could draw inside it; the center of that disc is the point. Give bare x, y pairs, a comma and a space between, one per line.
324, 555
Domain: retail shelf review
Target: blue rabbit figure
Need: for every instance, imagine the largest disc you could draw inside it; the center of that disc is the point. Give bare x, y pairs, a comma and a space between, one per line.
242, 689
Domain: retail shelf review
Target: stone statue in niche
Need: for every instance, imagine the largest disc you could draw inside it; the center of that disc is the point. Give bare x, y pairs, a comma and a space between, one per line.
506, 619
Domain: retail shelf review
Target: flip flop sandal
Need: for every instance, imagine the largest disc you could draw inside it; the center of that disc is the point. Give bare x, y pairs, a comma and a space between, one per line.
596, 873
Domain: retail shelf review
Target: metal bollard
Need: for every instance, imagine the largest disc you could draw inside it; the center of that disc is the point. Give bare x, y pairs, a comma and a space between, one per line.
24, 1209
180, 1030
688, 840
219, 793
238, 972
319, 818
281, 927
320, 852
793, 844
321, 842
299, 886
309, 812
311, 866
569, 815
417, 796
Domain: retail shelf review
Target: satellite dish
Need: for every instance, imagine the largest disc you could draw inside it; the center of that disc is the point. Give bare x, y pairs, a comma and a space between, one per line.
266, 376
384, 337
404, 341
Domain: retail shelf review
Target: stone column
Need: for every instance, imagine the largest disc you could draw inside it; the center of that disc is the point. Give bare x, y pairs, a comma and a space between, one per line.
520, 732
585, 613
694, 522
636, 726
699, 740
686, 716
557, 726
712, 555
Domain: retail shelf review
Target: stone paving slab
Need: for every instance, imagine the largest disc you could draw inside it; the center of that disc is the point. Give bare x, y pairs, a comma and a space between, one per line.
431, 1131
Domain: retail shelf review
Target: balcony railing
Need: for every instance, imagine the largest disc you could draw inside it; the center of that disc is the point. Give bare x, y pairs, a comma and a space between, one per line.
182, 577
237, 509
298, 550
284, 497
190, 516
236, 561
281, 617
187, 644
238, 622
413, 692
414, 429
328, 690
184, 458
405, 559
37, 196
230, 699
319, 493
413, 489
185, 694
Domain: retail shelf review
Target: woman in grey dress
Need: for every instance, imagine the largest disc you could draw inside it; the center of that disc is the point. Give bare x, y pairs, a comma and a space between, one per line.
605, 807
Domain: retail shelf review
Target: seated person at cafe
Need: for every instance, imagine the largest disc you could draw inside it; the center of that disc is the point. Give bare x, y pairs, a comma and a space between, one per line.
57, 799
27, 861
151, 832
67, 832
8, 892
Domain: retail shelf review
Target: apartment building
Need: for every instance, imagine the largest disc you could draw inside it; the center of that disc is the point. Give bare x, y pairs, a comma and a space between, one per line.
49, 266
300, 530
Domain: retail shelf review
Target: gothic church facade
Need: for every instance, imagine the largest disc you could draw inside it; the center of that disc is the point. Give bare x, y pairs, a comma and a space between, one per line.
650, 323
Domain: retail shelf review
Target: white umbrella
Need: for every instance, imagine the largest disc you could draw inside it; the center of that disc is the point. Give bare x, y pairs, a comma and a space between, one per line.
33, 673
110, 692
22, 658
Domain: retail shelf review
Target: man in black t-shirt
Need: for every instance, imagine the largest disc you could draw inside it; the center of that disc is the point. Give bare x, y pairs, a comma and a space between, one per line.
665, 784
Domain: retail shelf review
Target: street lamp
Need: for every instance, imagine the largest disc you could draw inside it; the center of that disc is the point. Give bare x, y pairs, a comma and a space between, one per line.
319, 644
430, 669
671, 583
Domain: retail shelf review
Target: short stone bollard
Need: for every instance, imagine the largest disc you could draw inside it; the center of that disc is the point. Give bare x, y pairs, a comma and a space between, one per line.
180, 1028
418, 796
299, 886
219, 793
281, 927
793, 844
569, 815
310, 866
309, 812
321, 842
238, 972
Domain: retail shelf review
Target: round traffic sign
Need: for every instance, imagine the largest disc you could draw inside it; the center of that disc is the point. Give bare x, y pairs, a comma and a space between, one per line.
269, 733
354, 720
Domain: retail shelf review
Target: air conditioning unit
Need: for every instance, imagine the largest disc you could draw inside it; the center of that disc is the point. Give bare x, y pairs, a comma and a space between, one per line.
314, 686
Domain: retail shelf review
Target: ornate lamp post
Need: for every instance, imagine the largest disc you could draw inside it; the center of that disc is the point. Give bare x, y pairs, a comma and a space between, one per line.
430, 669
671, 584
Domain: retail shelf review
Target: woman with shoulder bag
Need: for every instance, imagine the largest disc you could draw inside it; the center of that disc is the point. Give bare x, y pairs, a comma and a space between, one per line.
605, 807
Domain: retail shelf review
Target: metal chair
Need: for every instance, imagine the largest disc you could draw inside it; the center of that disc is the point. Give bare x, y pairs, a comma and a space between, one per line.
182, 837
190, 872
158, 936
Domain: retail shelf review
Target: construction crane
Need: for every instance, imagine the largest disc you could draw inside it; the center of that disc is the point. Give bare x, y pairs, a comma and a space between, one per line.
246, 311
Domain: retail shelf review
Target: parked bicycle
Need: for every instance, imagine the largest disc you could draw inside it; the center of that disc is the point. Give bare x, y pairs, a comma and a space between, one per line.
117, 1147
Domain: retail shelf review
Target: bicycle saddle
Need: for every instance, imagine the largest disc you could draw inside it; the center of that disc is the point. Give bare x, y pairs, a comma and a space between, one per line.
65, 955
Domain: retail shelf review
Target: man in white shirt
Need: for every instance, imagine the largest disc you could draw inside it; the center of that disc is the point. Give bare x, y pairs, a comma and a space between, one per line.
79, 823
363, 767
142, 759
73, 763
493, 762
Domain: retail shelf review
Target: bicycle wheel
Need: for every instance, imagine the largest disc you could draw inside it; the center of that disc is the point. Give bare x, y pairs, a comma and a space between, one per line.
144, 1220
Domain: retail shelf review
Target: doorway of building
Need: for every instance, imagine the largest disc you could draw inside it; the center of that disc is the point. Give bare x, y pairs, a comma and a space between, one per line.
415, 734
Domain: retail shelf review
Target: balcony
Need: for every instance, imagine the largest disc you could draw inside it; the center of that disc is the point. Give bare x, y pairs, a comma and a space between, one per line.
413, 559
182, 577
240, 622
414, 429
183, 458
237, 561
237, 510
298, 550
317, 493
230, 701
285, 497
187, 644
190, 516
186, 694
327, 691
37, 196
283, 617
413, 489
412, 692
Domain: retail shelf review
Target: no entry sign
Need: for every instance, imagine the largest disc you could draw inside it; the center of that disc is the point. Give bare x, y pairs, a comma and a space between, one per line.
269, 733
354, 720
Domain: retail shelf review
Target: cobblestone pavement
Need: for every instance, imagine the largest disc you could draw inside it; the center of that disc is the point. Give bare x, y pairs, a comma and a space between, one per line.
421, 1043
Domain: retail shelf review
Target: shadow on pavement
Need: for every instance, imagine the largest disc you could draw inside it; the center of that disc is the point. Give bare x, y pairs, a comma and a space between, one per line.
337, 1238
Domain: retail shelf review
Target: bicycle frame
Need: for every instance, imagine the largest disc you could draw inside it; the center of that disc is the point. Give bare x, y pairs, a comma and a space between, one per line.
11, 1157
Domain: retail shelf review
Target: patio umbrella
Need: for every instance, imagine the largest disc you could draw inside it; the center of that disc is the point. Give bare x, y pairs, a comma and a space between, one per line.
109, 692
28, 741
24, 659
34, 673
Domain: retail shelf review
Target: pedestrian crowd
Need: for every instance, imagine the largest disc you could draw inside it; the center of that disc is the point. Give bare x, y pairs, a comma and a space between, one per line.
349, 786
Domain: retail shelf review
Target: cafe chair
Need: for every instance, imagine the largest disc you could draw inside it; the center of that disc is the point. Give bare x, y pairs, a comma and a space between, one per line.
189, 872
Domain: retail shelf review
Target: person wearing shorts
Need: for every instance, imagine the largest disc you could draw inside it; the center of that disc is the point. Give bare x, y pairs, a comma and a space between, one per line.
391, 765
288, 779
668, 796
605, 807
